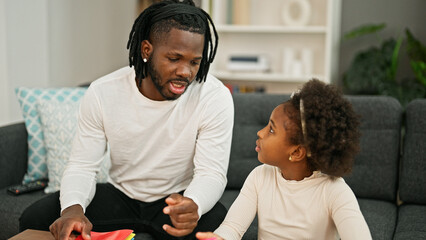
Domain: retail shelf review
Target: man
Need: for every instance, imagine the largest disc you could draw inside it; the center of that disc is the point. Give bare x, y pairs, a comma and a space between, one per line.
169, 138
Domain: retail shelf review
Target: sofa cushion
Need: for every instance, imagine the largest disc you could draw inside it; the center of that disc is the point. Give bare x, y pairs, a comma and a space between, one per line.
412, 192
411, 222
375, 170
13, 157
59, 124
380, 216
413, 165
11, 208
252, 112
28, 100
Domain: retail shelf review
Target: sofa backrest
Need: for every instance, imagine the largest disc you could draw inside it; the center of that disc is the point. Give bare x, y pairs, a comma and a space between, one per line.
13, 154
375, 171
412, 187
252, 112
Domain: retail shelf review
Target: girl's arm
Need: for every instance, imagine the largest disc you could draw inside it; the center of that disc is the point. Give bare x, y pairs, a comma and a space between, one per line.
347, 216
207, 236
241, 213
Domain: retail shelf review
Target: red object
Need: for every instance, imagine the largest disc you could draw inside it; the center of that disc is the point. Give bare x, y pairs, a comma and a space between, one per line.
114, 235
231, 89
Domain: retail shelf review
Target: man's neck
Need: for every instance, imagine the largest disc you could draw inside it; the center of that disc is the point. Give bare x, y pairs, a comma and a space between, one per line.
148, 89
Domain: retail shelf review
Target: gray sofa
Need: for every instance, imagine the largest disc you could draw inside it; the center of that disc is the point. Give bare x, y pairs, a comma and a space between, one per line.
392, 160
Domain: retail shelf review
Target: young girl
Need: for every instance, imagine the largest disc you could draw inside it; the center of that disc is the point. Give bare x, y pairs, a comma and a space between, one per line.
299, 193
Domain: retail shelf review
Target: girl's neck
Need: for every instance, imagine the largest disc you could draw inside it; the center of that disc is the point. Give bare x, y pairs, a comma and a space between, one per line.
296, 173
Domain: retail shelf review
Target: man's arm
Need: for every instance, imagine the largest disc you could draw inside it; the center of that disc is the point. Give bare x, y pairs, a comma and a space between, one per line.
79, 177
212, 151
211, 160
72, 220
183, 214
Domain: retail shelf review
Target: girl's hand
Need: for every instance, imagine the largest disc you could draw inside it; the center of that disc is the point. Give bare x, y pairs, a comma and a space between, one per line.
208, 236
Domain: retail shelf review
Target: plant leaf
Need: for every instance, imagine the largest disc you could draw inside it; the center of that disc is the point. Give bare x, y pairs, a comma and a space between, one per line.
415, 49
364, 30
419, 69
405, 91
394, 60
416, 52
366, 72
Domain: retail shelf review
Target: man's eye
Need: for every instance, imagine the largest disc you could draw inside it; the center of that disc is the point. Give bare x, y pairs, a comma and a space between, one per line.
173, 59
271, 130
195, 63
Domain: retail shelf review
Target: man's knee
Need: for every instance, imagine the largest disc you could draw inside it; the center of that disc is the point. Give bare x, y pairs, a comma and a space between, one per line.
41, 214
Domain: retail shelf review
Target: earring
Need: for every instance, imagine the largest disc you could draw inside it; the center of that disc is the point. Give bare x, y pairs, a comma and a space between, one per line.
144, 60
290, 159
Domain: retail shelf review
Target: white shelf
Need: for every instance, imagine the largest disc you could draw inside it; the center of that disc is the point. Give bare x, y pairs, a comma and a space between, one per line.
270, 29
310, 48
261, 77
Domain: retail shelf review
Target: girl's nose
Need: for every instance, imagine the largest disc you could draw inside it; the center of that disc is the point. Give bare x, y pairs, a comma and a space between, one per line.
260, 133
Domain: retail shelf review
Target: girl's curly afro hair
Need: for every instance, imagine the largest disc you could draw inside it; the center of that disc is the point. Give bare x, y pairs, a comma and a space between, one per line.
331, 134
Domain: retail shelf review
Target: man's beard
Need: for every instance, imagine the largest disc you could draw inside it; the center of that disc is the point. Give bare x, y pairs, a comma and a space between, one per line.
156, 80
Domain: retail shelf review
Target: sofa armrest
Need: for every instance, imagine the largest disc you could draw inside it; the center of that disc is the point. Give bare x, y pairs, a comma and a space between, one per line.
13, 154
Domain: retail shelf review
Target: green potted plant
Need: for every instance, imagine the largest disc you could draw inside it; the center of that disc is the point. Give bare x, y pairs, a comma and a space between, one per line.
373, 70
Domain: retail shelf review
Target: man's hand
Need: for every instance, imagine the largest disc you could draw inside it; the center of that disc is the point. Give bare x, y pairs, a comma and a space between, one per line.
72, 219
183, 213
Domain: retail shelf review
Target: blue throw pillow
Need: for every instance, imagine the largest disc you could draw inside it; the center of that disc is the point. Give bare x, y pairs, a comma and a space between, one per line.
28, 99
59, 122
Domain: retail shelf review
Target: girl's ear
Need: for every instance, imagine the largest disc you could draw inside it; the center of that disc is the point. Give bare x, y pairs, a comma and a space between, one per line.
146, 49
298, 153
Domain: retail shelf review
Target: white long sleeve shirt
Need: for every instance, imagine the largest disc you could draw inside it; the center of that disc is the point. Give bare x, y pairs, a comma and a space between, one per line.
316, 207
157, 147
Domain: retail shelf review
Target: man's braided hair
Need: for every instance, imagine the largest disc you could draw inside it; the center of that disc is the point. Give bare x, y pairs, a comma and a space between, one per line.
158, 19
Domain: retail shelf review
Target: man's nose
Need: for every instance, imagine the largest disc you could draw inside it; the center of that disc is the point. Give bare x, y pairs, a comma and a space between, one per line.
184, 71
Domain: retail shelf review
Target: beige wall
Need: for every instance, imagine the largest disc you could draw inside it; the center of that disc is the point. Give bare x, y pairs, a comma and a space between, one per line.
88, 39
4, 99
25, 61
70, 42
58, 43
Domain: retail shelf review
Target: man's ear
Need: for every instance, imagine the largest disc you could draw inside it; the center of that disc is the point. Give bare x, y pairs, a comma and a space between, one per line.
146, 49
298, 153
